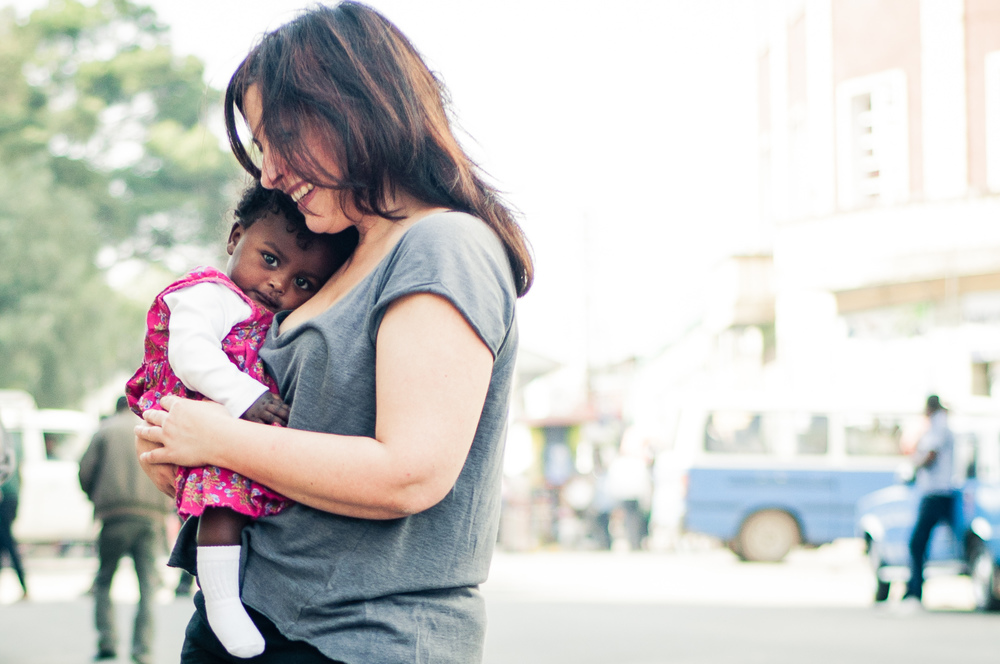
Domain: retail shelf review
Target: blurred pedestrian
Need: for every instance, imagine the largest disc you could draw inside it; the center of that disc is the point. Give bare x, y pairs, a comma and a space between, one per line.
132, 511
8, 506
934, 464
630, 484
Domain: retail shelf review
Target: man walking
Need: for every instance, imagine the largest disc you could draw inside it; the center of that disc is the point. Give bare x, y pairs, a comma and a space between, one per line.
132, 511
934, 468
10, 458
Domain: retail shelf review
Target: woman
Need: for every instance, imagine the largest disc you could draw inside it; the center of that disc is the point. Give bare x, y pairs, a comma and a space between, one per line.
398, 370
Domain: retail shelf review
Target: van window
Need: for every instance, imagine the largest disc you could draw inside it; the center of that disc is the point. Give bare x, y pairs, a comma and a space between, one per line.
17, 438
873, 436
812, 434
63, 445
734, 432
748, 432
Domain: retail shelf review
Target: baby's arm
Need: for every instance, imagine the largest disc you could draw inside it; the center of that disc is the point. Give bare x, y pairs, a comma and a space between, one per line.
200, 318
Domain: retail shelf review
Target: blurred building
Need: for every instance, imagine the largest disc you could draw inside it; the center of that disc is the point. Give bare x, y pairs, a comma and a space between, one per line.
874, 268
879, 125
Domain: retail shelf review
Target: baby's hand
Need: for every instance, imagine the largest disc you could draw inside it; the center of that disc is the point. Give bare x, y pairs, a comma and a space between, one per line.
267, 409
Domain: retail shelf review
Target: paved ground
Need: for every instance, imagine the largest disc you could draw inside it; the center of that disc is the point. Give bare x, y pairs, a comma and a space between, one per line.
699, 605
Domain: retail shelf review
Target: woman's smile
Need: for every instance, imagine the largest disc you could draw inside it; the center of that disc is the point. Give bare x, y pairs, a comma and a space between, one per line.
303, 196
299, 192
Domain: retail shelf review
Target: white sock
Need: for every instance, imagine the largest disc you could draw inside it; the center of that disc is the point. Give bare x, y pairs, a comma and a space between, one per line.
219, 578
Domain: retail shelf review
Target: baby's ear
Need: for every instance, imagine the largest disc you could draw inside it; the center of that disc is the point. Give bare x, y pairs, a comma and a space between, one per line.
235, 233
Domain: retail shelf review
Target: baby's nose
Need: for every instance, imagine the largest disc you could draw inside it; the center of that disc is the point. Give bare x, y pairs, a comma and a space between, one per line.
278, 282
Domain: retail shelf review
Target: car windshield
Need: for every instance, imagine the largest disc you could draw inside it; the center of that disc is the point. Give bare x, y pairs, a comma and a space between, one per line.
979, 457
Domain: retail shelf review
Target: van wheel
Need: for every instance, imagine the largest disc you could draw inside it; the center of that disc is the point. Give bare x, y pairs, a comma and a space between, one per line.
983, 573
768, 536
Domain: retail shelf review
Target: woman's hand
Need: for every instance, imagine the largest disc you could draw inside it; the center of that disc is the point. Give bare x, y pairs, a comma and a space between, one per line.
162, 474
182, 434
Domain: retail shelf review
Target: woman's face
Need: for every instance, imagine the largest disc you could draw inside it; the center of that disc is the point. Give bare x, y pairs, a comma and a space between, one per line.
322, 207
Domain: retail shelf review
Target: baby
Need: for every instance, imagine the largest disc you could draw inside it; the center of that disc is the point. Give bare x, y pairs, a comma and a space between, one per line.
203, 335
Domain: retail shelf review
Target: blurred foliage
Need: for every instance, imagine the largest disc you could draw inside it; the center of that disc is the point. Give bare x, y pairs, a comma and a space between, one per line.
104, 150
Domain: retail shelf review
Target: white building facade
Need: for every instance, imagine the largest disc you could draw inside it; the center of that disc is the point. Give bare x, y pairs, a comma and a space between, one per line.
879, 131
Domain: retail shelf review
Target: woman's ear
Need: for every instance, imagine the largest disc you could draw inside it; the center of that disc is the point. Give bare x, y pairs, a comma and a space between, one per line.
235, 233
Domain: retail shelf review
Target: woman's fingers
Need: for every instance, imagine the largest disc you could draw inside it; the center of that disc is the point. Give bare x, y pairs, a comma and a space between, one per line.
180, 434
154, 417
153, 434
162, 474
153, 456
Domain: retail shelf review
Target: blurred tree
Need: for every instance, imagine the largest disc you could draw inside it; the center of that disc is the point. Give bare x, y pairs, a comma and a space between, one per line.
104, 153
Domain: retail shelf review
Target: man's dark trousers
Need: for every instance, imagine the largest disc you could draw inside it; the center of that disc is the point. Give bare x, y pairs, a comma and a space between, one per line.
935, 508
137, 537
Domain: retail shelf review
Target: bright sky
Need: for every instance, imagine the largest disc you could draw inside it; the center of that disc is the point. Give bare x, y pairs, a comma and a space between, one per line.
624, 132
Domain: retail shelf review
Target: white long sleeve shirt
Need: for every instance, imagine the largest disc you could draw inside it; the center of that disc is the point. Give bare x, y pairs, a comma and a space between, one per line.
200, 318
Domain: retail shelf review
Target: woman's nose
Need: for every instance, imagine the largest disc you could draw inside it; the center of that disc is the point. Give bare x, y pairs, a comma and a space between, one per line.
270, 171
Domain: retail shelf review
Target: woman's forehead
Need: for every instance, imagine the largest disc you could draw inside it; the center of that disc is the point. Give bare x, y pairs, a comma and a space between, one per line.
253, 108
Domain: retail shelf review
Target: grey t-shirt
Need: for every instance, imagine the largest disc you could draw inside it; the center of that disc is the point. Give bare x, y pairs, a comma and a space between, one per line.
402, 590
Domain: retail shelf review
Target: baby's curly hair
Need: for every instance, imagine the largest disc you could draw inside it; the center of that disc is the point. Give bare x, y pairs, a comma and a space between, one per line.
257, 201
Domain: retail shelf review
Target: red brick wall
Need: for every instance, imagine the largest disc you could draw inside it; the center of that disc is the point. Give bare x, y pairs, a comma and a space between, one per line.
982, 36
871, 36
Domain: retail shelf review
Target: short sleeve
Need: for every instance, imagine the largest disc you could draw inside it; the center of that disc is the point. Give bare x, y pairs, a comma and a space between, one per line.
458, 257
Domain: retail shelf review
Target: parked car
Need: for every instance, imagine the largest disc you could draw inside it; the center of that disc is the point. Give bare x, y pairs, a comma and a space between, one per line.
52, 507
971, 547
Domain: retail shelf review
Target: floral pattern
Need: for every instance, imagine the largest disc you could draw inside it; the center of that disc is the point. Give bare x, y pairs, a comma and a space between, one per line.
208, 486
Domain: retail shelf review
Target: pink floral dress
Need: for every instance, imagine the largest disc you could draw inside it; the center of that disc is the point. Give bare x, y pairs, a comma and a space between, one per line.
208, 486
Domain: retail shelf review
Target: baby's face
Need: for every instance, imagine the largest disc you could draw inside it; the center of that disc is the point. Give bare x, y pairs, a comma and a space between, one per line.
270, 267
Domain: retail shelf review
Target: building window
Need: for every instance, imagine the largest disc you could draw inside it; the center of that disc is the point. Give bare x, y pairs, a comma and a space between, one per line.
872, 140
981, 379
992, 67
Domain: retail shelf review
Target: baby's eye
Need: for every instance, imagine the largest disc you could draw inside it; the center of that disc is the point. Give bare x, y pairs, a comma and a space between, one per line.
270, 259
304, 284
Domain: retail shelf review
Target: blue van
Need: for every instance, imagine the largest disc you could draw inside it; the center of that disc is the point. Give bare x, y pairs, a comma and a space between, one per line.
764, 478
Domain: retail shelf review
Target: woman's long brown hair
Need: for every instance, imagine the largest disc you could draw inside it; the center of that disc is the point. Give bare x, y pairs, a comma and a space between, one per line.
346, 80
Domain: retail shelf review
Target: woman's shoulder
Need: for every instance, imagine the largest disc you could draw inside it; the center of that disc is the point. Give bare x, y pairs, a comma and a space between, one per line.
457, 256
449, 231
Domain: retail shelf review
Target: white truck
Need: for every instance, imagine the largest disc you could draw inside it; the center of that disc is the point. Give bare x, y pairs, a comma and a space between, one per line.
52, 509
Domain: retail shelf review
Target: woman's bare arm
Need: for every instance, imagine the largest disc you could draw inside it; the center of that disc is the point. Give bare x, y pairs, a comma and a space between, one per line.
432, 373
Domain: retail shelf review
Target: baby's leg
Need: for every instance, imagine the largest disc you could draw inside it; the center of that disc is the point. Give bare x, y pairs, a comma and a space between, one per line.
219, 577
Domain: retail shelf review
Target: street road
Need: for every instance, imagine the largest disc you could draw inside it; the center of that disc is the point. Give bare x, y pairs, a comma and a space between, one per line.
698, 605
